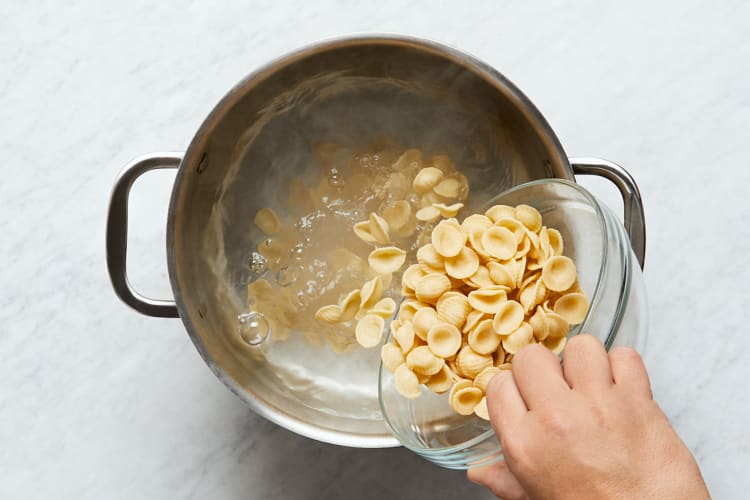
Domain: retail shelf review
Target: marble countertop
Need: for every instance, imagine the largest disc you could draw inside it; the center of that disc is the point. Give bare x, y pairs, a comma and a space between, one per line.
97, 401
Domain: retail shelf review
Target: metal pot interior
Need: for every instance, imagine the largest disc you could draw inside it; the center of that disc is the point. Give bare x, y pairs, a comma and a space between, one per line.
261, 135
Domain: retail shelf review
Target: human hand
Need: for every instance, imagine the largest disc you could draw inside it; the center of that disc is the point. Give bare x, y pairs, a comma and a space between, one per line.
589, 429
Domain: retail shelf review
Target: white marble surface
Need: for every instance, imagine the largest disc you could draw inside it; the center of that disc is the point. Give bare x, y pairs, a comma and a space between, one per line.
97, 401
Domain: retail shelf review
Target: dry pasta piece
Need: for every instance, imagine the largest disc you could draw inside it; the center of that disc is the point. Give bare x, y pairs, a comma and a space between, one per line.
362, 230
453, 307
572, 307
558, 327
267, 221
349, 305
499, 242
529, 217
329, 314
539, 324
499, 356
462, 265
451, 363
483, 339
404, 337
523, 248
460, 383
480, 410
483, 379
520, 268
369, 330
409, 308
406, 382
474, 227
440, 382
546, 306
429, 199
476, 221
497, 212
514, 226
480, 279
534, 241
559, 273
423, 320
465, 400
391, 356
428, 214
426, 179
428, 256
471, 362
444, 340
505, 366
397, 215
544, 245
432, 286
379, 229
371, 292
522, 336
412, 275
555, 241
448, 210
508, 318
501, 274
532, 295
448, 239
449, 188
556, 345
473, 319
488, 300
384, 308
386, 260
422, 360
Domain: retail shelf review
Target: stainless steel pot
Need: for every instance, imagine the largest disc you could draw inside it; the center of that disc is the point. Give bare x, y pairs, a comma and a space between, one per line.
243, 154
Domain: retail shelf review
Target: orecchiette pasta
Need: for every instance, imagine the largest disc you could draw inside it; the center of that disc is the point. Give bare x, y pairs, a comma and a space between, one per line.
386, 260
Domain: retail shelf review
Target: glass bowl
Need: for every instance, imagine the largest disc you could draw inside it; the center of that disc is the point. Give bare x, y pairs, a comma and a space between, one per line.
610, 276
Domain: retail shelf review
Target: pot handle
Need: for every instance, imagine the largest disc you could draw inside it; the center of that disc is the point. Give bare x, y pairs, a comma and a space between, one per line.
117, 235
634, 219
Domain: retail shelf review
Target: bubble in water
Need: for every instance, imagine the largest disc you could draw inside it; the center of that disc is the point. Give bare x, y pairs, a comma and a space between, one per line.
256, 264
302, 299
297, 250
253, 328
334, 178
285, 276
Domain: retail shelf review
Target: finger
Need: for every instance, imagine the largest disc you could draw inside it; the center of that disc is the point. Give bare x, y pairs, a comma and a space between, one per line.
586, 365
504, 403
629, 372
499, 480
538, 376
